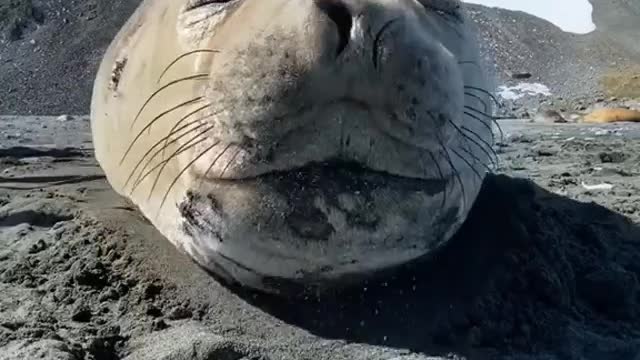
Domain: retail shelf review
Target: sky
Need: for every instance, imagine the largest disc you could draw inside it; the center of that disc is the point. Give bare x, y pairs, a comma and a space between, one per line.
570, 15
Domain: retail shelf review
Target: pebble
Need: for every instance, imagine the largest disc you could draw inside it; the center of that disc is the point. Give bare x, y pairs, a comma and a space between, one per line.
64, 118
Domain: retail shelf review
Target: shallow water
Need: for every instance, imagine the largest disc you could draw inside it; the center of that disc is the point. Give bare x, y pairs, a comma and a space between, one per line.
569, 15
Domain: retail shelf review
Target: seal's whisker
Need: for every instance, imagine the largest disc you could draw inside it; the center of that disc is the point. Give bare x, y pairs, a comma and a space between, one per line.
484, 103
493, 97
441, 174
199, 138
190, 144
181, 149
483, 113
164, 87
184, 118
466, 161
175, 180
157, 144
470, 153
213, 163
453, 168
482, 148
142, 177
492, 118
487, 125
164, 147
467, 139
164, 72
484, 123
153, 121
495, 162
174, 130
233, 158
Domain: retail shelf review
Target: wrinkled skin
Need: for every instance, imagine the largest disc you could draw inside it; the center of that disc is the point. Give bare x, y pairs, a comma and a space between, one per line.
296, 142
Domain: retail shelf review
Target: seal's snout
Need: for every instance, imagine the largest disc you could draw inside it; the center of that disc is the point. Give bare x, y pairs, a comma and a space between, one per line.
340, 14
347, 80
309, 141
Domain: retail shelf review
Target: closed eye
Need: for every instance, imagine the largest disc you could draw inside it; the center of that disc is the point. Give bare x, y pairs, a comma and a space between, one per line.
194, 4
444, 7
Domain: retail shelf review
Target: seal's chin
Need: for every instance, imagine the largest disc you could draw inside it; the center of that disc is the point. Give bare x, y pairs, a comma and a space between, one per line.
320, 223
315, 191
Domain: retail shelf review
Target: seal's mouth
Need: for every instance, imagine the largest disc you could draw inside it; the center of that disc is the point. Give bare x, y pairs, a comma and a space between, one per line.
339, 176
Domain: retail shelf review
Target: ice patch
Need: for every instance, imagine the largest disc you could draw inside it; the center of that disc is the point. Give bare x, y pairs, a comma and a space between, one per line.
522, 89
603, 186
569, 15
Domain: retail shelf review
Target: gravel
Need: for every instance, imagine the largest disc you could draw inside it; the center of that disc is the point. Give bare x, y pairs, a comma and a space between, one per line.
49, 68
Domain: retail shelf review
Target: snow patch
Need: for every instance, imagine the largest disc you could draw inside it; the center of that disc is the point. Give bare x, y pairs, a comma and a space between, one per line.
569, 15
521, 90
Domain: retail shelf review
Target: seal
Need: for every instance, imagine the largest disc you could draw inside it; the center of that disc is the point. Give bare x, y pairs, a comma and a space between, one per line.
296, 144
549, 116
612, 115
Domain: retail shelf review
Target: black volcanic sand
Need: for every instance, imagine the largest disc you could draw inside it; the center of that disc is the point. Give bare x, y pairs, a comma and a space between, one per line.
531, 275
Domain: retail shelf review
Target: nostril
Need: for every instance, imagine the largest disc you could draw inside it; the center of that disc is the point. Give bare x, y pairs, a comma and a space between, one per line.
338, 12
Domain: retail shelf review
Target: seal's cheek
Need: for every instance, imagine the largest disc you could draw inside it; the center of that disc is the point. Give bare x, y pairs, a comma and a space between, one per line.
201, 214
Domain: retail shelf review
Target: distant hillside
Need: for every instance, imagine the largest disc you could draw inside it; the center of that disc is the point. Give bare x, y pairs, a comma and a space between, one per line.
50, 49
48, 61
572, 66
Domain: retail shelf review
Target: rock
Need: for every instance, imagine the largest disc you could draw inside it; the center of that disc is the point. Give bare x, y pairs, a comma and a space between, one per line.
520, 75
153, 311
81, 314
104, 347
64, 118
159, 324
178, 313
612, 157
41, 349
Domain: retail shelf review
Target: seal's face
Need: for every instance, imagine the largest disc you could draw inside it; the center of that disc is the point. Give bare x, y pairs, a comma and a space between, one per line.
320, 138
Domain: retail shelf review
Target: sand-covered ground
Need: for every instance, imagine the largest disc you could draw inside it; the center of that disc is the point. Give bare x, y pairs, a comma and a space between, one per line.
543, 269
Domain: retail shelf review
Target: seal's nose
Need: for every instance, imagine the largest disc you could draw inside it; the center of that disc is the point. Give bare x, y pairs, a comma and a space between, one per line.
340, 14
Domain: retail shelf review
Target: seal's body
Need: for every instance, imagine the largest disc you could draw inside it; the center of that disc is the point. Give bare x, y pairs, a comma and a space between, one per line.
612, 115
297, 141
